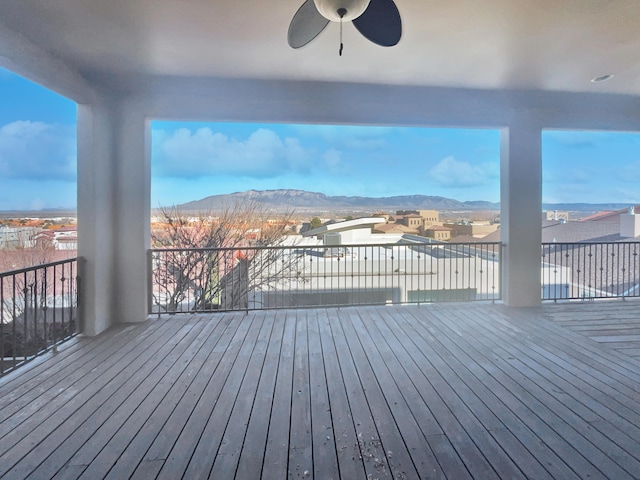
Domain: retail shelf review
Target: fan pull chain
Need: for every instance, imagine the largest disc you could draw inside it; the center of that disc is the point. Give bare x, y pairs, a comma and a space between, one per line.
342, 12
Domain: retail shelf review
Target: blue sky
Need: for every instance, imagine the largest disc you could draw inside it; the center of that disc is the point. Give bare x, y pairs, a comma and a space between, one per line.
345, 160
194, 160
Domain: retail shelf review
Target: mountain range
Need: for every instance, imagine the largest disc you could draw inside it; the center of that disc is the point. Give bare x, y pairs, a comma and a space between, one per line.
301, 200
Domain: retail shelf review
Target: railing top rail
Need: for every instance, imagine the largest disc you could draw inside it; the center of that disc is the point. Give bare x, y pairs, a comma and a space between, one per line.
303, 246
626, 242
32, 268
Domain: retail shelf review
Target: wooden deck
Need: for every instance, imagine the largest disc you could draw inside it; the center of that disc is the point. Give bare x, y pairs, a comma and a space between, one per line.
617, 325
453, 391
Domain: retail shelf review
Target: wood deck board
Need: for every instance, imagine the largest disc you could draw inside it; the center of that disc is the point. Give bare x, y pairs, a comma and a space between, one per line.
74, 404
157, 422
164, 441
276, 456
515, 436
105, 420
300, 438
252, 455
535, 405
456, 421
40, 389
182, 450
451, 391
378, 354
232, 442
464, 402
325, 458
426, 407
538, 418
369, 444
619, 328
207, 448
148, 388
350, 461
400, 462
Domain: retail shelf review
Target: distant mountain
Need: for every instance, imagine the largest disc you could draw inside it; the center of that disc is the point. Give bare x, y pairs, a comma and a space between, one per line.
303, 200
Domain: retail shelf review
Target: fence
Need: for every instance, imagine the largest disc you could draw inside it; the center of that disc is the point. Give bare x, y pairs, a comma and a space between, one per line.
590, 270
38, 310
201, 280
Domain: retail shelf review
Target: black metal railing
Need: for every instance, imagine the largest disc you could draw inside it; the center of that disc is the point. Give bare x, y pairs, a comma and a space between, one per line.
38, 311
590, 270
202, 280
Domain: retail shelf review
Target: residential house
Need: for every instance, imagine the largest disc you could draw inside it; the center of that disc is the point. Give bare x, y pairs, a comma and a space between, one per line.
473, 229
438, 232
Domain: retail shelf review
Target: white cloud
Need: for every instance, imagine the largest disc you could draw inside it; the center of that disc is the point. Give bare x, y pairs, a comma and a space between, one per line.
449, 172
37, 150
188, 154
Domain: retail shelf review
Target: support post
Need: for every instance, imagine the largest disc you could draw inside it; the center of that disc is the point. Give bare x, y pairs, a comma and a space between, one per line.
114, 186
521, 210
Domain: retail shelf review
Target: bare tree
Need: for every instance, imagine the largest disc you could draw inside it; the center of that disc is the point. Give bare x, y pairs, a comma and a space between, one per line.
20, 290
31, 289
212, 260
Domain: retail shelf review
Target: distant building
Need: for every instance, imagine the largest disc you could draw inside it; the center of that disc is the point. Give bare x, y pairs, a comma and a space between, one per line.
438, 233
472, 229
609, 216
346, 263
65, 238
411, 220
17, 237
416, 220
350, 231
555, 215
394, 228
592, 258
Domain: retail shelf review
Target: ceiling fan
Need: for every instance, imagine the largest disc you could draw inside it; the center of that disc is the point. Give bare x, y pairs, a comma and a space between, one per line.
378, 20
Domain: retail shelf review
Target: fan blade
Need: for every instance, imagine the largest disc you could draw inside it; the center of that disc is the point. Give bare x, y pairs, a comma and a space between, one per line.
380, 23
306, 25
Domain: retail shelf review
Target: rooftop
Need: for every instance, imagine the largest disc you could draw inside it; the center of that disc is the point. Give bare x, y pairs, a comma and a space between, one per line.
345, 226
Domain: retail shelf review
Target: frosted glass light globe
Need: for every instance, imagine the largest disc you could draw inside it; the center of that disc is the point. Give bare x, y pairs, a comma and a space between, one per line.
329, 8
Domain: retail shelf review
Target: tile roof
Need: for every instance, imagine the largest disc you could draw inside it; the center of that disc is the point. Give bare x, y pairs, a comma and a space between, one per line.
394, 228
583, 232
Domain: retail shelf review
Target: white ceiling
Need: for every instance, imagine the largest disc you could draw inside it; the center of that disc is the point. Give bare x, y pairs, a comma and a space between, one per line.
556, 45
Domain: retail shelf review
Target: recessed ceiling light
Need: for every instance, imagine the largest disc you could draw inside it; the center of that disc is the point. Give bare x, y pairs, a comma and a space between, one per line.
602, 78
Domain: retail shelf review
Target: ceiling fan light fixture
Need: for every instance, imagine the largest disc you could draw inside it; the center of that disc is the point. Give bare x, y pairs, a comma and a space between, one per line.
329, 9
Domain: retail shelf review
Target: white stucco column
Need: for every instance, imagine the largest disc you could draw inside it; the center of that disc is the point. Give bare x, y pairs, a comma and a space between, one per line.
133, 212
114, 185
96, 178
521, 210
